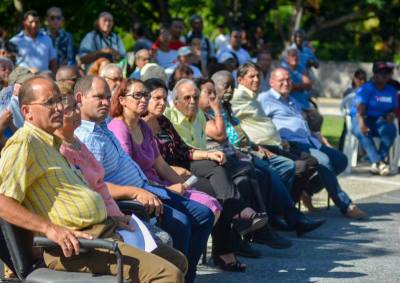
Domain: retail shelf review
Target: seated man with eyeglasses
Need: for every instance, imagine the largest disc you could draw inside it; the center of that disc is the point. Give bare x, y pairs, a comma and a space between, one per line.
40, 191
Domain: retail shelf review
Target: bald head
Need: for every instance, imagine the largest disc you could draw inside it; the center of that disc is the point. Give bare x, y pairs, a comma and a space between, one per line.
33, 86
280, 81
223, 82
41, 103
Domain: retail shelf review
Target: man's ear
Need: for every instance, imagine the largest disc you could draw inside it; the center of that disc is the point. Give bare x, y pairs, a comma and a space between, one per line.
25, 110
78, 97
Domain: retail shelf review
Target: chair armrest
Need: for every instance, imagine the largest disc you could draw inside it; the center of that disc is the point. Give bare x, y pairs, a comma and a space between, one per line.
132, 206
44, 242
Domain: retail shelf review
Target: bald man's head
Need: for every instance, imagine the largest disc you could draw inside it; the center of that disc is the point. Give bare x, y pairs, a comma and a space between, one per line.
223, 82
280, 81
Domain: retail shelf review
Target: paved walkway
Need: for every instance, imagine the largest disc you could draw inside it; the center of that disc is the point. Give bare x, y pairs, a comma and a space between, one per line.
341, 250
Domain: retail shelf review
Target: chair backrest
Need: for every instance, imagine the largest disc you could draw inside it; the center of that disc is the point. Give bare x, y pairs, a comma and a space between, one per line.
19, 244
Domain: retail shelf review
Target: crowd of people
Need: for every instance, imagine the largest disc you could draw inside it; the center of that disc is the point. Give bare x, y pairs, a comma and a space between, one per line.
80, 131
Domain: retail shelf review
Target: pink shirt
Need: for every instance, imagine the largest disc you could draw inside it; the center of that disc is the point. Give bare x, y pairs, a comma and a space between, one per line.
144, 154
93, 173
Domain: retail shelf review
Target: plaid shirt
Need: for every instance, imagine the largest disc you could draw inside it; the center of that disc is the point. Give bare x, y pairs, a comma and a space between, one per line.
64, 46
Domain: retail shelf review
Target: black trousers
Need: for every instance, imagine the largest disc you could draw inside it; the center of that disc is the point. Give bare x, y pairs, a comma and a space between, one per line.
216, 181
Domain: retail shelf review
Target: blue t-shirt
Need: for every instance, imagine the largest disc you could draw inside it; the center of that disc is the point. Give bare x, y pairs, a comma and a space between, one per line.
378, 102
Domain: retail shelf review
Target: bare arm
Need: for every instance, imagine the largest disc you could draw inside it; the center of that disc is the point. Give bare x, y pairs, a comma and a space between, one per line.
14, 213
361, 108
166, 172
215, 129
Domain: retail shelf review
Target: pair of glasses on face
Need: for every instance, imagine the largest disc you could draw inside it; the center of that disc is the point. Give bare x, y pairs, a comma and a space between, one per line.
51, 103
188, 98
139, 95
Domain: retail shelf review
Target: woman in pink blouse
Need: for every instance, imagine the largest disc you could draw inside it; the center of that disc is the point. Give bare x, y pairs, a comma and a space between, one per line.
128, 104
79, 155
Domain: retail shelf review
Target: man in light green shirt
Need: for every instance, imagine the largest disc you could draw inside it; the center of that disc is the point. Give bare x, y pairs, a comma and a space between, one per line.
248, 110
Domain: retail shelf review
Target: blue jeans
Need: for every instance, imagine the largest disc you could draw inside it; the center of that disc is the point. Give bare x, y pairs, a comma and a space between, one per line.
379, 128
278, 198
331, 163
189, 223
284, 167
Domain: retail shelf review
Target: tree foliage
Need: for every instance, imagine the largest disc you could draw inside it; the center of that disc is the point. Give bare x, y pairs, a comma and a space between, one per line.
357, 30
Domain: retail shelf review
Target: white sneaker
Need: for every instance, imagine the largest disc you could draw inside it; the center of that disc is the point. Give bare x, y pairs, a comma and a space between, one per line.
374, 169
384, 169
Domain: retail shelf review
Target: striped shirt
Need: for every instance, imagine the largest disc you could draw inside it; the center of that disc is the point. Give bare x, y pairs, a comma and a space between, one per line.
119, 167
34, 173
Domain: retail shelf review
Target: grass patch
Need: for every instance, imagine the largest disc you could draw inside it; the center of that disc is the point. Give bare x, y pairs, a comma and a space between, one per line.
332, 129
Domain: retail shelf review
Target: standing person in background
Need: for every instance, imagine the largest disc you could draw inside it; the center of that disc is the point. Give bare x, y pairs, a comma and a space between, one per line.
102, 41
264, 61
235, 47
206, 47
141, 41
222, 39
35, 49
306, 53
176, 30
62, 40
163, 54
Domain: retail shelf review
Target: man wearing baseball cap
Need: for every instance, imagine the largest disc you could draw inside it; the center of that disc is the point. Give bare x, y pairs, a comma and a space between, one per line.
185, 57
373, 115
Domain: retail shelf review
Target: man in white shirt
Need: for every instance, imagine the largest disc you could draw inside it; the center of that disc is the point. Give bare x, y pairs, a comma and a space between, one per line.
185, 57
234, 47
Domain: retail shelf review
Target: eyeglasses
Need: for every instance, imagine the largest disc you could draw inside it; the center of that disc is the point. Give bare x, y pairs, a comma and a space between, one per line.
53, 18
51, 103
139, 95
118, 79
188, 98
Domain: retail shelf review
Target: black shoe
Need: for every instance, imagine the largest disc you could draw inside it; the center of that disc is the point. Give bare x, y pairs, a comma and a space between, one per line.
232, 267
280, 224
246, 250
306, 225
267, 236
245, 226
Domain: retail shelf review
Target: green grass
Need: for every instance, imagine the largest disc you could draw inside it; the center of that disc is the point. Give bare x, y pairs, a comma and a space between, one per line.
332, 129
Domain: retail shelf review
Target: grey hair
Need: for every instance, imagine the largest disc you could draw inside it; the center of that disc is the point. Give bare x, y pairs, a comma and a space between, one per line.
176, 89
290, 50
5, 60
221, 76
108, 68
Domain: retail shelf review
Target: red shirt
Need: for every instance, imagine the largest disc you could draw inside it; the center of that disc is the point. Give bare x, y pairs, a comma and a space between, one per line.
174, 45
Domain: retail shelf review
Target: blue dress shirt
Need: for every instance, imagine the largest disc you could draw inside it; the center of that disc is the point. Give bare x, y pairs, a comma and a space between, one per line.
287, 117
118, 166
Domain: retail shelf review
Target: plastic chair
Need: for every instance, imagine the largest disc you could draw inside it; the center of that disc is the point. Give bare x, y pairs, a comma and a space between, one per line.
351, 144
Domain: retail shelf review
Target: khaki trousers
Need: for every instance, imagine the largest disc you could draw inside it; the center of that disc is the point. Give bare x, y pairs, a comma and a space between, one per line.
164, 264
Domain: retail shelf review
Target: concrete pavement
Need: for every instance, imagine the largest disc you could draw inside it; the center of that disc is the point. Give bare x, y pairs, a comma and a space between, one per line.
341, 250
